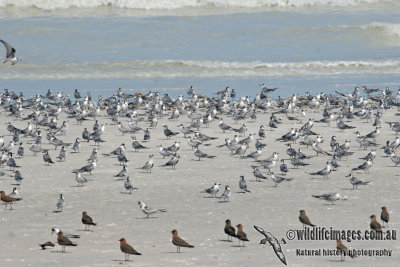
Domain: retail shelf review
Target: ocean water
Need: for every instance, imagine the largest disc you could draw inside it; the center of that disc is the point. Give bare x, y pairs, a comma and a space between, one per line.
297, 46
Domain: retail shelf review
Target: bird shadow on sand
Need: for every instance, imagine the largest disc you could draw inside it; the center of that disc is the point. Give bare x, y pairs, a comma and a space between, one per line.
222, 201
59, 251
83, 230
77, 185
146, 218
238, 246
338, 260
126, 193
225, 240
174, 252
122, 261
57, 211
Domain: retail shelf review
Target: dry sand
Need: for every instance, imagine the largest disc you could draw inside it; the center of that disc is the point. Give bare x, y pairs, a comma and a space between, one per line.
198, 218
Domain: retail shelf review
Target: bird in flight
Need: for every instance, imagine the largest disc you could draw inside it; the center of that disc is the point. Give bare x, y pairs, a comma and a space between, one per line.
10, 54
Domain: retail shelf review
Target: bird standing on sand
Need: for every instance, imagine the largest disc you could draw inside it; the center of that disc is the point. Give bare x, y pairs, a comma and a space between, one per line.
80, 179
179, 242
374, 225
332, 197
343, 250
64, 241
303, 218
87, 221
127, 249
149, 164
226, 194
240, 234
243, 185
60, 203
168, 133
7, 199
172, 162
47, 159
385, 217
149, 211
257, 173
355, 182
128, 185
213, 190
229, 230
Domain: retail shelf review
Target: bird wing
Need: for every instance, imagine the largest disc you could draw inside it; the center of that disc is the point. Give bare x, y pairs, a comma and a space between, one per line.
10, 51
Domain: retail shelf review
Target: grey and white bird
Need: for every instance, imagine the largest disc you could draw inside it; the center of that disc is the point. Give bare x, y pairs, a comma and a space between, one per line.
226, 194
87, 168
172, 162
47, 159
63, 154
148, 210
331, 197
257, 173
254, 155
213, 190
94, 155
319, 150
365, 166
10, 54
224, 127
14, 193
77, 145
36, 149
56, 230
80, 179
185, 130
325, 171
243, 185
355, 182
283, 167
123, 173
279, 179
164, 152
149, 164
18, 177
136, 145
199, 154
168, 133
128, 185
60, 203
395, 158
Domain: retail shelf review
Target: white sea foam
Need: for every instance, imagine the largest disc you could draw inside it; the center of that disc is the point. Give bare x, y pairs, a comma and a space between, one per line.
199, 69
389, 29
184, 4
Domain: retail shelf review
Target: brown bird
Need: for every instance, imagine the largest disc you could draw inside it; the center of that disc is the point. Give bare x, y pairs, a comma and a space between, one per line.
87, 221
127, 249
229, 230
64, 241
179, 242
240, 234
374, 224
8, 200
385, 216
47, 244
343, 250
304, 219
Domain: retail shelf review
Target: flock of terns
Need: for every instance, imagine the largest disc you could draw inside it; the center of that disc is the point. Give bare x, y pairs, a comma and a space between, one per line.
203, 112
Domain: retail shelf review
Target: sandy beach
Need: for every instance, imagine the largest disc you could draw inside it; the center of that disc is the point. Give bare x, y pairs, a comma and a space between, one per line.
198, 217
